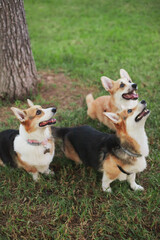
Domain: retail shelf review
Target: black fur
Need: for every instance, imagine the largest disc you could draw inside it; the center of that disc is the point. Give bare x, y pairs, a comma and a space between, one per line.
90, 144
7, 154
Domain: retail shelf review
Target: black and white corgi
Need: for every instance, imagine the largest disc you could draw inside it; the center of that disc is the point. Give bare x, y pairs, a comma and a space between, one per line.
118, 156
32, 147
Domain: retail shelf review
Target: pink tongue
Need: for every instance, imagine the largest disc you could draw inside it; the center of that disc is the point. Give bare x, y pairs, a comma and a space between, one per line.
131, 96
47, 122
134, 95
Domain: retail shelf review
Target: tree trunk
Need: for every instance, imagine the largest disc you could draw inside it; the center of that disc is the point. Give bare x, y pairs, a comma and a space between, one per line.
18, 75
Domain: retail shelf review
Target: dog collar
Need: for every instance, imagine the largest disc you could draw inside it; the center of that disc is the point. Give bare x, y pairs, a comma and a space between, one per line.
123, 171
130, 153
36, 143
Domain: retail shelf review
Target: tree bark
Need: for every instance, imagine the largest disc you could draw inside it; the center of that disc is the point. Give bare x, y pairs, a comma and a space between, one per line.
18, 75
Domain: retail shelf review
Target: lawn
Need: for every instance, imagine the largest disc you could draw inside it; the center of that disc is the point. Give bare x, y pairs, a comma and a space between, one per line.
81, 40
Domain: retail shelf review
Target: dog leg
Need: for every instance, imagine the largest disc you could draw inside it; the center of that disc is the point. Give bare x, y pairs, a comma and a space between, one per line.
90, 105
106, 183
1, 163
131, 180
35, 176
49, 172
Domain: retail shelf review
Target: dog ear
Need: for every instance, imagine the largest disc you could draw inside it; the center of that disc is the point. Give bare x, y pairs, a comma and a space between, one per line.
124, 74
107, 83
20, 115
30, 103
113, 117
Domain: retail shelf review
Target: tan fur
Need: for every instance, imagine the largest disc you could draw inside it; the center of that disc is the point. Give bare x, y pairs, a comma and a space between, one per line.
110, 166
104, 104
1, 163
21, 164
122, 133
31, 118
98, 106
51, 141
70, 152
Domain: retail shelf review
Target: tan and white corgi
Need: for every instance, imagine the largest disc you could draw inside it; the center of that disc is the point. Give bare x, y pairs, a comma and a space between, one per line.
32, 147
122, 96
118, 156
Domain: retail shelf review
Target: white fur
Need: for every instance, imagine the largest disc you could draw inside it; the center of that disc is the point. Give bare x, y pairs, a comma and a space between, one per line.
106, 183
34, 155
122, 103
137, 132
124, 74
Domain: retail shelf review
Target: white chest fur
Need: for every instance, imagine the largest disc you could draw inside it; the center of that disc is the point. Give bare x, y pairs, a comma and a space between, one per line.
31, 154
139, 165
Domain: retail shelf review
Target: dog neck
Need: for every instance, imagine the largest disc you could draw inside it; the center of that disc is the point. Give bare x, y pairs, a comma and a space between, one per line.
112, 104
126, 152
135, 142
120, 104
39, 135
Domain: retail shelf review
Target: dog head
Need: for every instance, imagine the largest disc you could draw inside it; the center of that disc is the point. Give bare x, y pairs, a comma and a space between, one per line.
35, 117
123, 90
129, 120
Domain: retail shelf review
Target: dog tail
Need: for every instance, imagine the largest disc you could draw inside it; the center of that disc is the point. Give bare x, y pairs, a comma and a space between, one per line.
59, 132
89, 99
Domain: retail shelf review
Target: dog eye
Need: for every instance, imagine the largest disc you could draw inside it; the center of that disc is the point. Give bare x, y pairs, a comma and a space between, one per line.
129, 81
122, 85
38, 112
129, 110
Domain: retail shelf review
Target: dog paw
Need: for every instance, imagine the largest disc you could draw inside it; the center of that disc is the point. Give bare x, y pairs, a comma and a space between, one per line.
107, 189
49, 172
137, 188
36, 177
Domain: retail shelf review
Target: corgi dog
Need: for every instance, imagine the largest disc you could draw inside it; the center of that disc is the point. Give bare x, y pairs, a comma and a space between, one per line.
117, 156
32, 147
122, 96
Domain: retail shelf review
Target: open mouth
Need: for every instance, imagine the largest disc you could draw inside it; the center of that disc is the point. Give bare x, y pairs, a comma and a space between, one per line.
144, 112
48, 122
130, 96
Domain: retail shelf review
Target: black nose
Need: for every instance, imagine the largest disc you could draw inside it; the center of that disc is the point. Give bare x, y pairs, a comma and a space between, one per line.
134, 85
54, 110
143, 102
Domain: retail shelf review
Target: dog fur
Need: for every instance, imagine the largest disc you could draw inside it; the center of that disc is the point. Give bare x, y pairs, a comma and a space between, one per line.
32, 147
116, 101
118, 156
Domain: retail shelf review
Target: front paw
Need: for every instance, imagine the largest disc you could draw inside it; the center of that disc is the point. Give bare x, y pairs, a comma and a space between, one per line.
137, 187
106, 189
36, 176
49, 172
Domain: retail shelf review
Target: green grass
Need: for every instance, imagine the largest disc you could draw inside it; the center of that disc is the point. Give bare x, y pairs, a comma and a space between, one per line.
86, 39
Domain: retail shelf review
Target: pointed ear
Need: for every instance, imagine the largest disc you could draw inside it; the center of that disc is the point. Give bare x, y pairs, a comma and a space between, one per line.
20, 115
107, 83
30, 103
112, 116
124, 74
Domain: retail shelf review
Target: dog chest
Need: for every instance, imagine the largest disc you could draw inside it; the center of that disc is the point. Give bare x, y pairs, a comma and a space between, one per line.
34, 155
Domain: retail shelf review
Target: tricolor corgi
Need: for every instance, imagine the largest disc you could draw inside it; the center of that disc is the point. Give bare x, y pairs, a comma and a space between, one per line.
32, 147
118, 156
122, 96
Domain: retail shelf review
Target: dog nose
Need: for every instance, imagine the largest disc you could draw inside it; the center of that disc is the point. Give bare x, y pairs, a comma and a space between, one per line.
54, 110
143, 102
134, 85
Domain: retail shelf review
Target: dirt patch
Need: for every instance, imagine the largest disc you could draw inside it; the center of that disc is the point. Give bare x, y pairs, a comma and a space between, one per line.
67, 93
57, 90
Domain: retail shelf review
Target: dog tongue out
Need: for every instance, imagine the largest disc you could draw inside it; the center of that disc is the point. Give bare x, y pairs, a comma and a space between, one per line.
48, 122
132, 95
